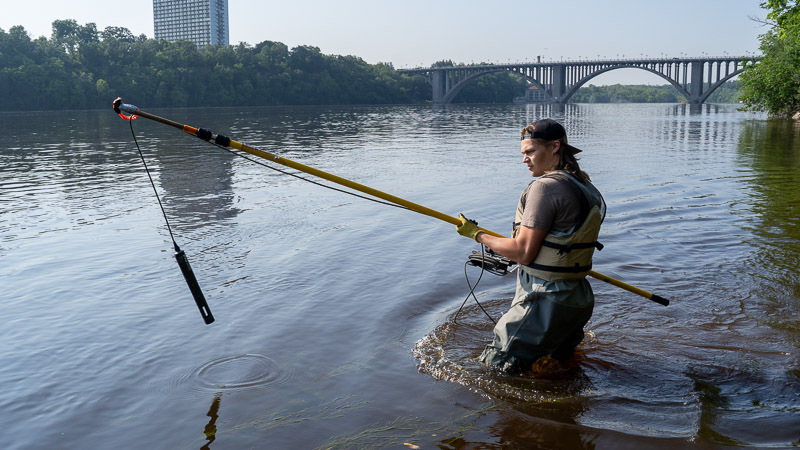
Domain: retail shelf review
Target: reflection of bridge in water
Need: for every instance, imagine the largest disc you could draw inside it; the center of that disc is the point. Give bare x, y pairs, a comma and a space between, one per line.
694, 78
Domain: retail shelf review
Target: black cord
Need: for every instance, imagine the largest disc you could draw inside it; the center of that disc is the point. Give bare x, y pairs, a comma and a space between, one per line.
472, 289
261, 163
146, 169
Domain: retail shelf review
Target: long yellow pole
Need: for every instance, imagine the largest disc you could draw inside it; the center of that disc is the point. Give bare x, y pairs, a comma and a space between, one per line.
133, 111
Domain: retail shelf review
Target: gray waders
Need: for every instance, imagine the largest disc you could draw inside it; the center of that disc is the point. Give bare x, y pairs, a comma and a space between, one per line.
545, 318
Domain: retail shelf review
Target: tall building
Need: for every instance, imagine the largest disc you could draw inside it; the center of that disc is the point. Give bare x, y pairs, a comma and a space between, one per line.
204, 22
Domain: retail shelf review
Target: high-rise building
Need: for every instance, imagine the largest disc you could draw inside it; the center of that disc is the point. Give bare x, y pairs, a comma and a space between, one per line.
204, 22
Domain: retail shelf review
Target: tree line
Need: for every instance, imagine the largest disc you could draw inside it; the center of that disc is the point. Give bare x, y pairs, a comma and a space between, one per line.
80, 67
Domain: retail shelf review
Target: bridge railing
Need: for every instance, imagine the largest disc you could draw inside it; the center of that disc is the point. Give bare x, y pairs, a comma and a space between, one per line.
676, 59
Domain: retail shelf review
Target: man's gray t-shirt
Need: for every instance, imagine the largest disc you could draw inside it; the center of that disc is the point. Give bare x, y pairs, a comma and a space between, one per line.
550, 204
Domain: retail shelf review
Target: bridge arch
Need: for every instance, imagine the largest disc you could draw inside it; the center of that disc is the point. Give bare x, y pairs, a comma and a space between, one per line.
578, 84
719, 83
683, 91
456, 88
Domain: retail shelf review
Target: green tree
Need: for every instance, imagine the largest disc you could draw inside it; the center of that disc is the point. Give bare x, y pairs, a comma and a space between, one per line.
118, 33
71, 35
772, 84
102, 87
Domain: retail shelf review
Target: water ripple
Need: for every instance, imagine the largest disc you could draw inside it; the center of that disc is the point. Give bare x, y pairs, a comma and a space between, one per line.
235, 372
241, 371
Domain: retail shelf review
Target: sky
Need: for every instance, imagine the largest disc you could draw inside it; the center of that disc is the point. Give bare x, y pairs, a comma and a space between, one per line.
411, 33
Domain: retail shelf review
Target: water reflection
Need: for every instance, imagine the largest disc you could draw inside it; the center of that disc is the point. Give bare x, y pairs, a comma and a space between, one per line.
517, 430
61, 174
771, 151
210, 430
307, 130
712, 402
195, 178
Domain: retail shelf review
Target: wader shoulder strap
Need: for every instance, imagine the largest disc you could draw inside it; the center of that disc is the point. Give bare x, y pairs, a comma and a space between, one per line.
585, 207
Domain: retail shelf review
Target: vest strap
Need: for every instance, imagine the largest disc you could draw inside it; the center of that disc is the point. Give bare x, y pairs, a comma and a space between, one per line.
561, 269
562, 249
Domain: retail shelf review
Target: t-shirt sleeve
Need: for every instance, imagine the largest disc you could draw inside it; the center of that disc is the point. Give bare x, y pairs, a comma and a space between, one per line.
540, 206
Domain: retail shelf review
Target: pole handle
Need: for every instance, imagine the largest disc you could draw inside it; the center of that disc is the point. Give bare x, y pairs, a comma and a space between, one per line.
121, 108
660, 300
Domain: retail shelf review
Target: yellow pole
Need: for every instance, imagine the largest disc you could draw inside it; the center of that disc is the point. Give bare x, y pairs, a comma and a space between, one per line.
120, 107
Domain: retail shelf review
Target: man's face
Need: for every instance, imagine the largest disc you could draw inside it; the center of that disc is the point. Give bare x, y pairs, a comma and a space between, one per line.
539, 157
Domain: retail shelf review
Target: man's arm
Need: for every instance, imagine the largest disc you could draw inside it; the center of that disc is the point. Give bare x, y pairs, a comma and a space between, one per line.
521, 249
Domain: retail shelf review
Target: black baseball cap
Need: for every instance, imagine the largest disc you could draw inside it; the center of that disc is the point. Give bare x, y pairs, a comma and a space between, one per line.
547, 130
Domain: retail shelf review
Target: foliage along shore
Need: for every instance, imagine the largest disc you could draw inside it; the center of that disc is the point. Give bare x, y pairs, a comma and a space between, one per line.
773, 83
80, 67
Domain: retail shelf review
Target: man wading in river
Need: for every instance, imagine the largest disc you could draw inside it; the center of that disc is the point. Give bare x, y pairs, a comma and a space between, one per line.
555, 234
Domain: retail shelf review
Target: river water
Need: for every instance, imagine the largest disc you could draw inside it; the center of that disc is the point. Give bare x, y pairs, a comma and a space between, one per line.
334, 315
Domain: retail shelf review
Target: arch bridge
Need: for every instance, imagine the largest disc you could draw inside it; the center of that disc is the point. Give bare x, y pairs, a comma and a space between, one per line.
694, 78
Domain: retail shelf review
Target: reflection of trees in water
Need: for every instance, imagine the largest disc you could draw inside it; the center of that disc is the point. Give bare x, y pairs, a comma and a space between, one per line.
771, 150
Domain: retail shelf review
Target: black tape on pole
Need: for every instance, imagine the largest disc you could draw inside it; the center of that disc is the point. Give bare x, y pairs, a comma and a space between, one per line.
659, 299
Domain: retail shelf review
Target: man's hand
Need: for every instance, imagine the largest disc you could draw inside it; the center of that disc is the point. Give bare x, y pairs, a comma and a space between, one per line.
468, 228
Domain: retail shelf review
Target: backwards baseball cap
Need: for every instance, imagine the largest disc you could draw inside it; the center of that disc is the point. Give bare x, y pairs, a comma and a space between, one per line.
547, 130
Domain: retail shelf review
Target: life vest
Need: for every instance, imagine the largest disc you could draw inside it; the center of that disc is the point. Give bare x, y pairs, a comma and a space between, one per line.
568, 256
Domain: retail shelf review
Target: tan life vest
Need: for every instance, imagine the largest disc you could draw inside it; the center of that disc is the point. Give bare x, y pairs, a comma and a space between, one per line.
567, 257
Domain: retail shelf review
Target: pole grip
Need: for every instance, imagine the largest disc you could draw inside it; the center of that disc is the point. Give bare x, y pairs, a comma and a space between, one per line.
128, 108
659, 299
194, 286
121, 108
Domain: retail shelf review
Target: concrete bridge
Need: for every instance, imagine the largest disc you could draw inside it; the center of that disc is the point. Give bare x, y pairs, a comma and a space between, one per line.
694, 78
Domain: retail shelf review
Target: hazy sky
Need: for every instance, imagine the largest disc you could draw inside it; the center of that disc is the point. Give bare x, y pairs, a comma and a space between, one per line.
411, 33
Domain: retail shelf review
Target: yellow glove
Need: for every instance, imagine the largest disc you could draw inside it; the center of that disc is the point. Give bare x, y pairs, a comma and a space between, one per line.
468, 228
